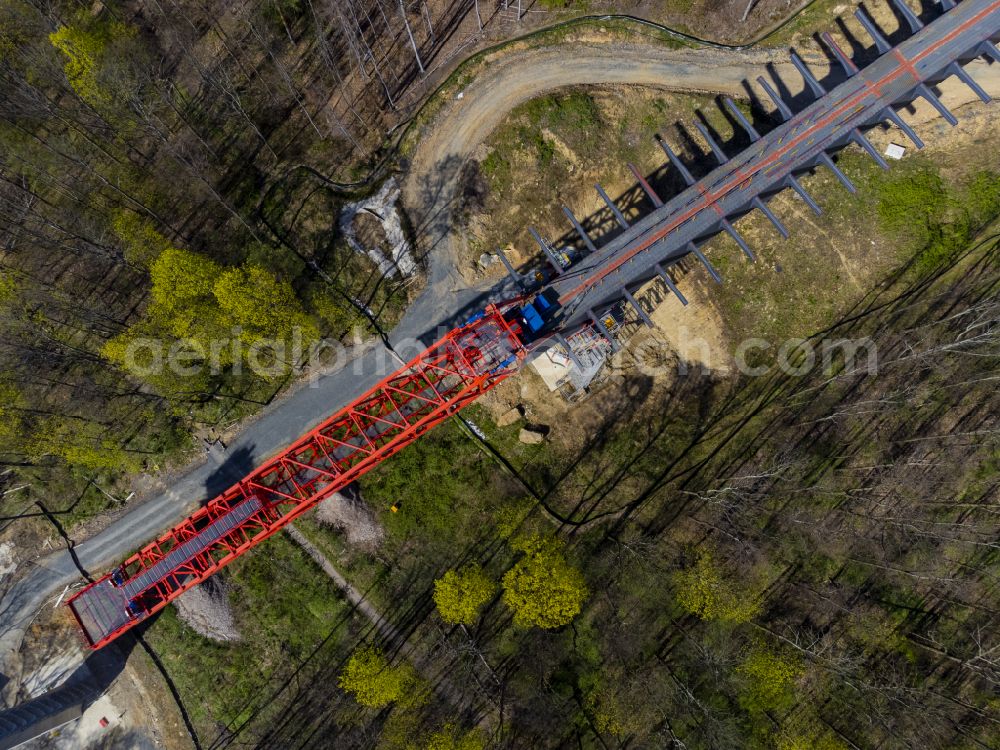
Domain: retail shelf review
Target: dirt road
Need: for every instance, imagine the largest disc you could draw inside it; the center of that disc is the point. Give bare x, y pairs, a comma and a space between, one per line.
431, 186
385, 628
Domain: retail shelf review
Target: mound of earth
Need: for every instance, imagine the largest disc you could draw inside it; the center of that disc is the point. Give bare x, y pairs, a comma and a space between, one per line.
348, 513
206, 610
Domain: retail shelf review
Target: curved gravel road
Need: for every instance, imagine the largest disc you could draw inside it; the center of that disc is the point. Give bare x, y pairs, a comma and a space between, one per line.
463, 124
429, 193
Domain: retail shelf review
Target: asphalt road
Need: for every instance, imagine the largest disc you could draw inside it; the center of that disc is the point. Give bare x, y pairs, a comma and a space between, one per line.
429, 194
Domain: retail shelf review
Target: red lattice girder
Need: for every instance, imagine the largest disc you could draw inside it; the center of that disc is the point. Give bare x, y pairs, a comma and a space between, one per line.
435, 385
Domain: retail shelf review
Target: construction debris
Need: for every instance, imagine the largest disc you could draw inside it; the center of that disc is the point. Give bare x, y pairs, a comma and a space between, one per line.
895, 151
347, 512
207, 611
511, 416
532, 435
572, 364
8, 559
383, 207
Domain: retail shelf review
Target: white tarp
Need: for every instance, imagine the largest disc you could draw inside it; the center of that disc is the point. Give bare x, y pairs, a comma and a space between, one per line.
382, 206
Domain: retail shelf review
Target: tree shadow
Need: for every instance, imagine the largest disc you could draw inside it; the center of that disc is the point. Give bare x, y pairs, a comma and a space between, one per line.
84, 686
303, 713
305, 705
750, 398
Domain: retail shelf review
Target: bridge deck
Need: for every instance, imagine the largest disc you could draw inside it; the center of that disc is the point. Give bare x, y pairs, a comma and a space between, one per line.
429, 389
762, 169
101, 608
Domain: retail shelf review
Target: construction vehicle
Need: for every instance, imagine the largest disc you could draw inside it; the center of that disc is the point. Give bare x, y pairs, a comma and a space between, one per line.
533, 315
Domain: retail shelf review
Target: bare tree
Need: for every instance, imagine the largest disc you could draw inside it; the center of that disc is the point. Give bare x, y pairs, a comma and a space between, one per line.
409, 33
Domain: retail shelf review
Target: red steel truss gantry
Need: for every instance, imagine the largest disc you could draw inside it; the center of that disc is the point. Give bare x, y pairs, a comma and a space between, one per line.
432, 387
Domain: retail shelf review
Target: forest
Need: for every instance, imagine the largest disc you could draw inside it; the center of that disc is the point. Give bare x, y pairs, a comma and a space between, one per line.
780, 561
785, 561
160, 160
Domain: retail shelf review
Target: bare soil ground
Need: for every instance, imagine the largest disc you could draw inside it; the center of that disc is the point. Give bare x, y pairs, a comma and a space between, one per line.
691, 339
138, 707
432, 188
370, 233
696, 333
628, 118
795, 286
140, 715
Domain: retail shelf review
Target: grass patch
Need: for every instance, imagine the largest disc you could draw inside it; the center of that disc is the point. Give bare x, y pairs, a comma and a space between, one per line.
817, 16
572, 112
281, 625
911, 216
438, 485
929, 217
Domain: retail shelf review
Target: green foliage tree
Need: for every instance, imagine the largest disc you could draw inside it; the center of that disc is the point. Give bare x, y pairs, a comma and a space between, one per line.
183, 299
459, 595
197, 300
86, 445
141, 354
180, 276
543, 589
264, 306
88, 47
8, 289
338, 315
767, 680
604, 703
451, 737
701, 590
183, 307
143, 244
509, 516
810, 740
373, 681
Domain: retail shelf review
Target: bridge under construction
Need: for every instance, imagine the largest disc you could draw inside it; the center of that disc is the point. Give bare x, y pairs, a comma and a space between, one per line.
573, 297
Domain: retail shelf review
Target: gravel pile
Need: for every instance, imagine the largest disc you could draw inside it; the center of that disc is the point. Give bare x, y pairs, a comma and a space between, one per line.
347, 512
207, 611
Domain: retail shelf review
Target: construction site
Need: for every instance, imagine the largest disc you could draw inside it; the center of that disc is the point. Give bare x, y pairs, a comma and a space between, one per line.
545, 339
